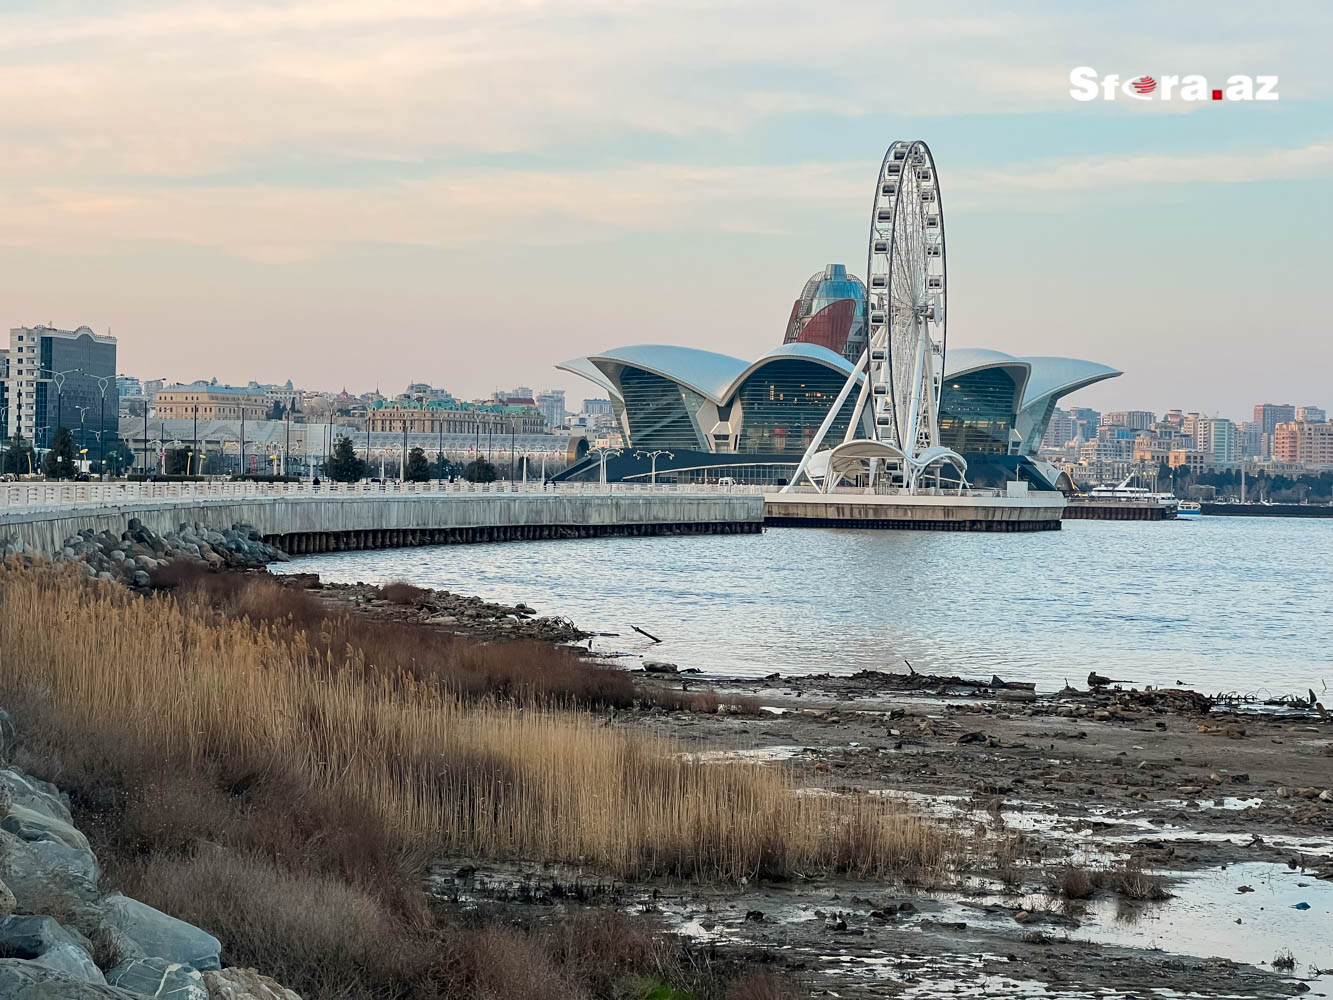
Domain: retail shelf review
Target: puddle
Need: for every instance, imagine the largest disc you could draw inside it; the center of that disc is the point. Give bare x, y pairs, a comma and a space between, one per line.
753, 754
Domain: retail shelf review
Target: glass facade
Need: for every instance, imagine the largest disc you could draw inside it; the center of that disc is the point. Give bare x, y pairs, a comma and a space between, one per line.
976, 412
658, 415
842, 330
783, 404
77, 403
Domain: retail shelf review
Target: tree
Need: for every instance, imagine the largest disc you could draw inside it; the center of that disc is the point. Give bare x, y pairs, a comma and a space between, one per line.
18, 457
59, 463
275, 412
343, 466
480, 471
442, 468
118, 459
179, 461
418, 469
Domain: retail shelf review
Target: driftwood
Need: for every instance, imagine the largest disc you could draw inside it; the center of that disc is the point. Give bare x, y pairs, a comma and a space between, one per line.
648, 634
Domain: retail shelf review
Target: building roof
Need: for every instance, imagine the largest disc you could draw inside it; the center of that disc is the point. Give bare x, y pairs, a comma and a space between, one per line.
706, 372
234, 390
1057, 376
716, 376
808, 352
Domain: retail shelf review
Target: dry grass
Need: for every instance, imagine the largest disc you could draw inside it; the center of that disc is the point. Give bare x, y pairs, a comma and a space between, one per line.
402, 592
386, 761
1073, 882
1127, 879
760, 985
250, 764
1130, 880
522, 672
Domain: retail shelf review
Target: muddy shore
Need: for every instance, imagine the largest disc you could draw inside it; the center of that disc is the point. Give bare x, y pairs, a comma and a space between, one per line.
1113, 795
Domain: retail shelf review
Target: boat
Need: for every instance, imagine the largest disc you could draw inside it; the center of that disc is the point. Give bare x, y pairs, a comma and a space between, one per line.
1190, 507
1123, 491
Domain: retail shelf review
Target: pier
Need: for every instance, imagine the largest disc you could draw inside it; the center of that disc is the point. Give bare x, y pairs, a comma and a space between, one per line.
1111, 509
970, 510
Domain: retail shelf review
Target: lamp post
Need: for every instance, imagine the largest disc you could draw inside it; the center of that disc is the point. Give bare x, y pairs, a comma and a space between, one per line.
83, 432
603, 454
287, 445
653, 455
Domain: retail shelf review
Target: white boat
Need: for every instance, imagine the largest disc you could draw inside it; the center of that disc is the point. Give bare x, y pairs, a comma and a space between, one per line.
1123, 491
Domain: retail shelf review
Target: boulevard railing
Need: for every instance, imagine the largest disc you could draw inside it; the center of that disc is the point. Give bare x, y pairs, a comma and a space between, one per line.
36, 496
46, 495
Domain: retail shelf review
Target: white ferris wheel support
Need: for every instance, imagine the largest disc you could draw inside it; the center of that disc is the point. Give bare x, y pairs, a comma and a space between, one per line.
901, 371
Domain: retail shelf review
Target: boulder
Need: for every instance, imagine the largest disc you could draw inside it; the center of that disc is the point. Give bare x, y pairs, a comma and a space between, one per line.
23, 980
245, 984
147, 932
43, 941
72, 961
39, 887
56, 842
159, 979
38, 795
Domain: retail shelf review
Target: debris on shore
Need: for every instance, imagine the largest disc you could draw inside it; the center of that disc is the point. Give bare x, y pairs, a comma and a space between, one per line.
441, 608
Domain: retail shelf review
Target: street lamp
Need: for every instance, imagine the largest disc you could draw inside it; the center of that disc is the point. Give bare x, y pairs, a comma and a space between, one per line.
603, 454
653, 455
83, 433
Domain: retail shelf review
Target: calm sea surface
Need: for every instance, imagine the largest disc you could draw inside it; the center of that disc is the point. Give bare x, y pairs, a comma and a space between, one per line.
1219, 603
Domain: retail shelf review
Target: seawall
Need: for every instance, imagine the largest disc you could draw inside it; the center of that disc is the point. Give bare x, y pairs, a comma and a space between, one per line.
306, 523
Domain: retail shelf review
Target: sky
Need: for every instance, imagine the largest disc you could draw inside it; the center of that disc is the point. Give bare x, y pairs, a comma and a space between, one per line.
365, 194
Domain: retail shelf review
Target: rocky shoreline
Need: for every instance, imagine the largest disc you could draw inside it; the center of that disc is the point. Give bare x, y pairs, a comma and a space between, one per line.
62, 938
440, 609
137, 552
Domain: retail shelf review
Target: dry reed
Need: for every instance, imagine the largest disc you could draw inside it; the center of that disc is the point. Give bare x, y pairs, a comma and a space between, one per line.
256, 704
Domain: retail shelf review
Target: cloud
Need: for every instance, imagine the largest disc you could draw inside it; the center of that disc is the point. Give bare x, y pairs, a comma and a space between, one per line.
172, 90
1139, 172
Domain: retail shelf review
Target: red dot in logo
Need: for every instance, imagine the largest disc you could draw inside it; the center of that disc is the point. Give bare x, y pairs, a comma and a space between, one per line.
1217, 95
1144, 85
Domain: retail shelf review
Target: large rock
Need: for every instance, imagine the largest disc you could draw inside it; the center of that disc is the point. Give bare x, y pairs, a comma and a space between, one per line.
38, 887
43, 941
72, 961
245, 984
159, 979
40, 796
148, 933
57, 842
24, 980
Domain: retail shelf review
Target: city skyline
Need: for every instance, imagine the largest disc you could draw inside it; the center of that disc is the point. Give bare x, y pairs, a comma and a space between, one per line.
267, 192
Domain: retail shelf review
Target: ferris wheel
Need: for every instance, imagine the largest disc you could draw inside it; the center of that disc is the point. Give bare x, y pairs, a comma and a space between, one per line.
892, 436
905, 299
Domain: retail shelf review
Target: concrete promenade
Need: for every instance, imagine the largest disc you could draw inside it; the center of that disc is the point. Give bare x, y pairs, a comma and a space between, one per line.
300, 518
971, 510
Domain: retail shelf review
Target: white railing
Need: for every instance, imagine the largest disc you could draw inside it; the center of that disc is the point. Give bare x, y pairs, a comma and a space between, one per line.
47, 495
53, 495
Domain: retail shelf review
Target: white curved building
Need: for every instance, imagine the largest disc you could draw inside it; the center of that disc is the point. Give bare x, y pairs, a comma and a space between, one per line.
721, 416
